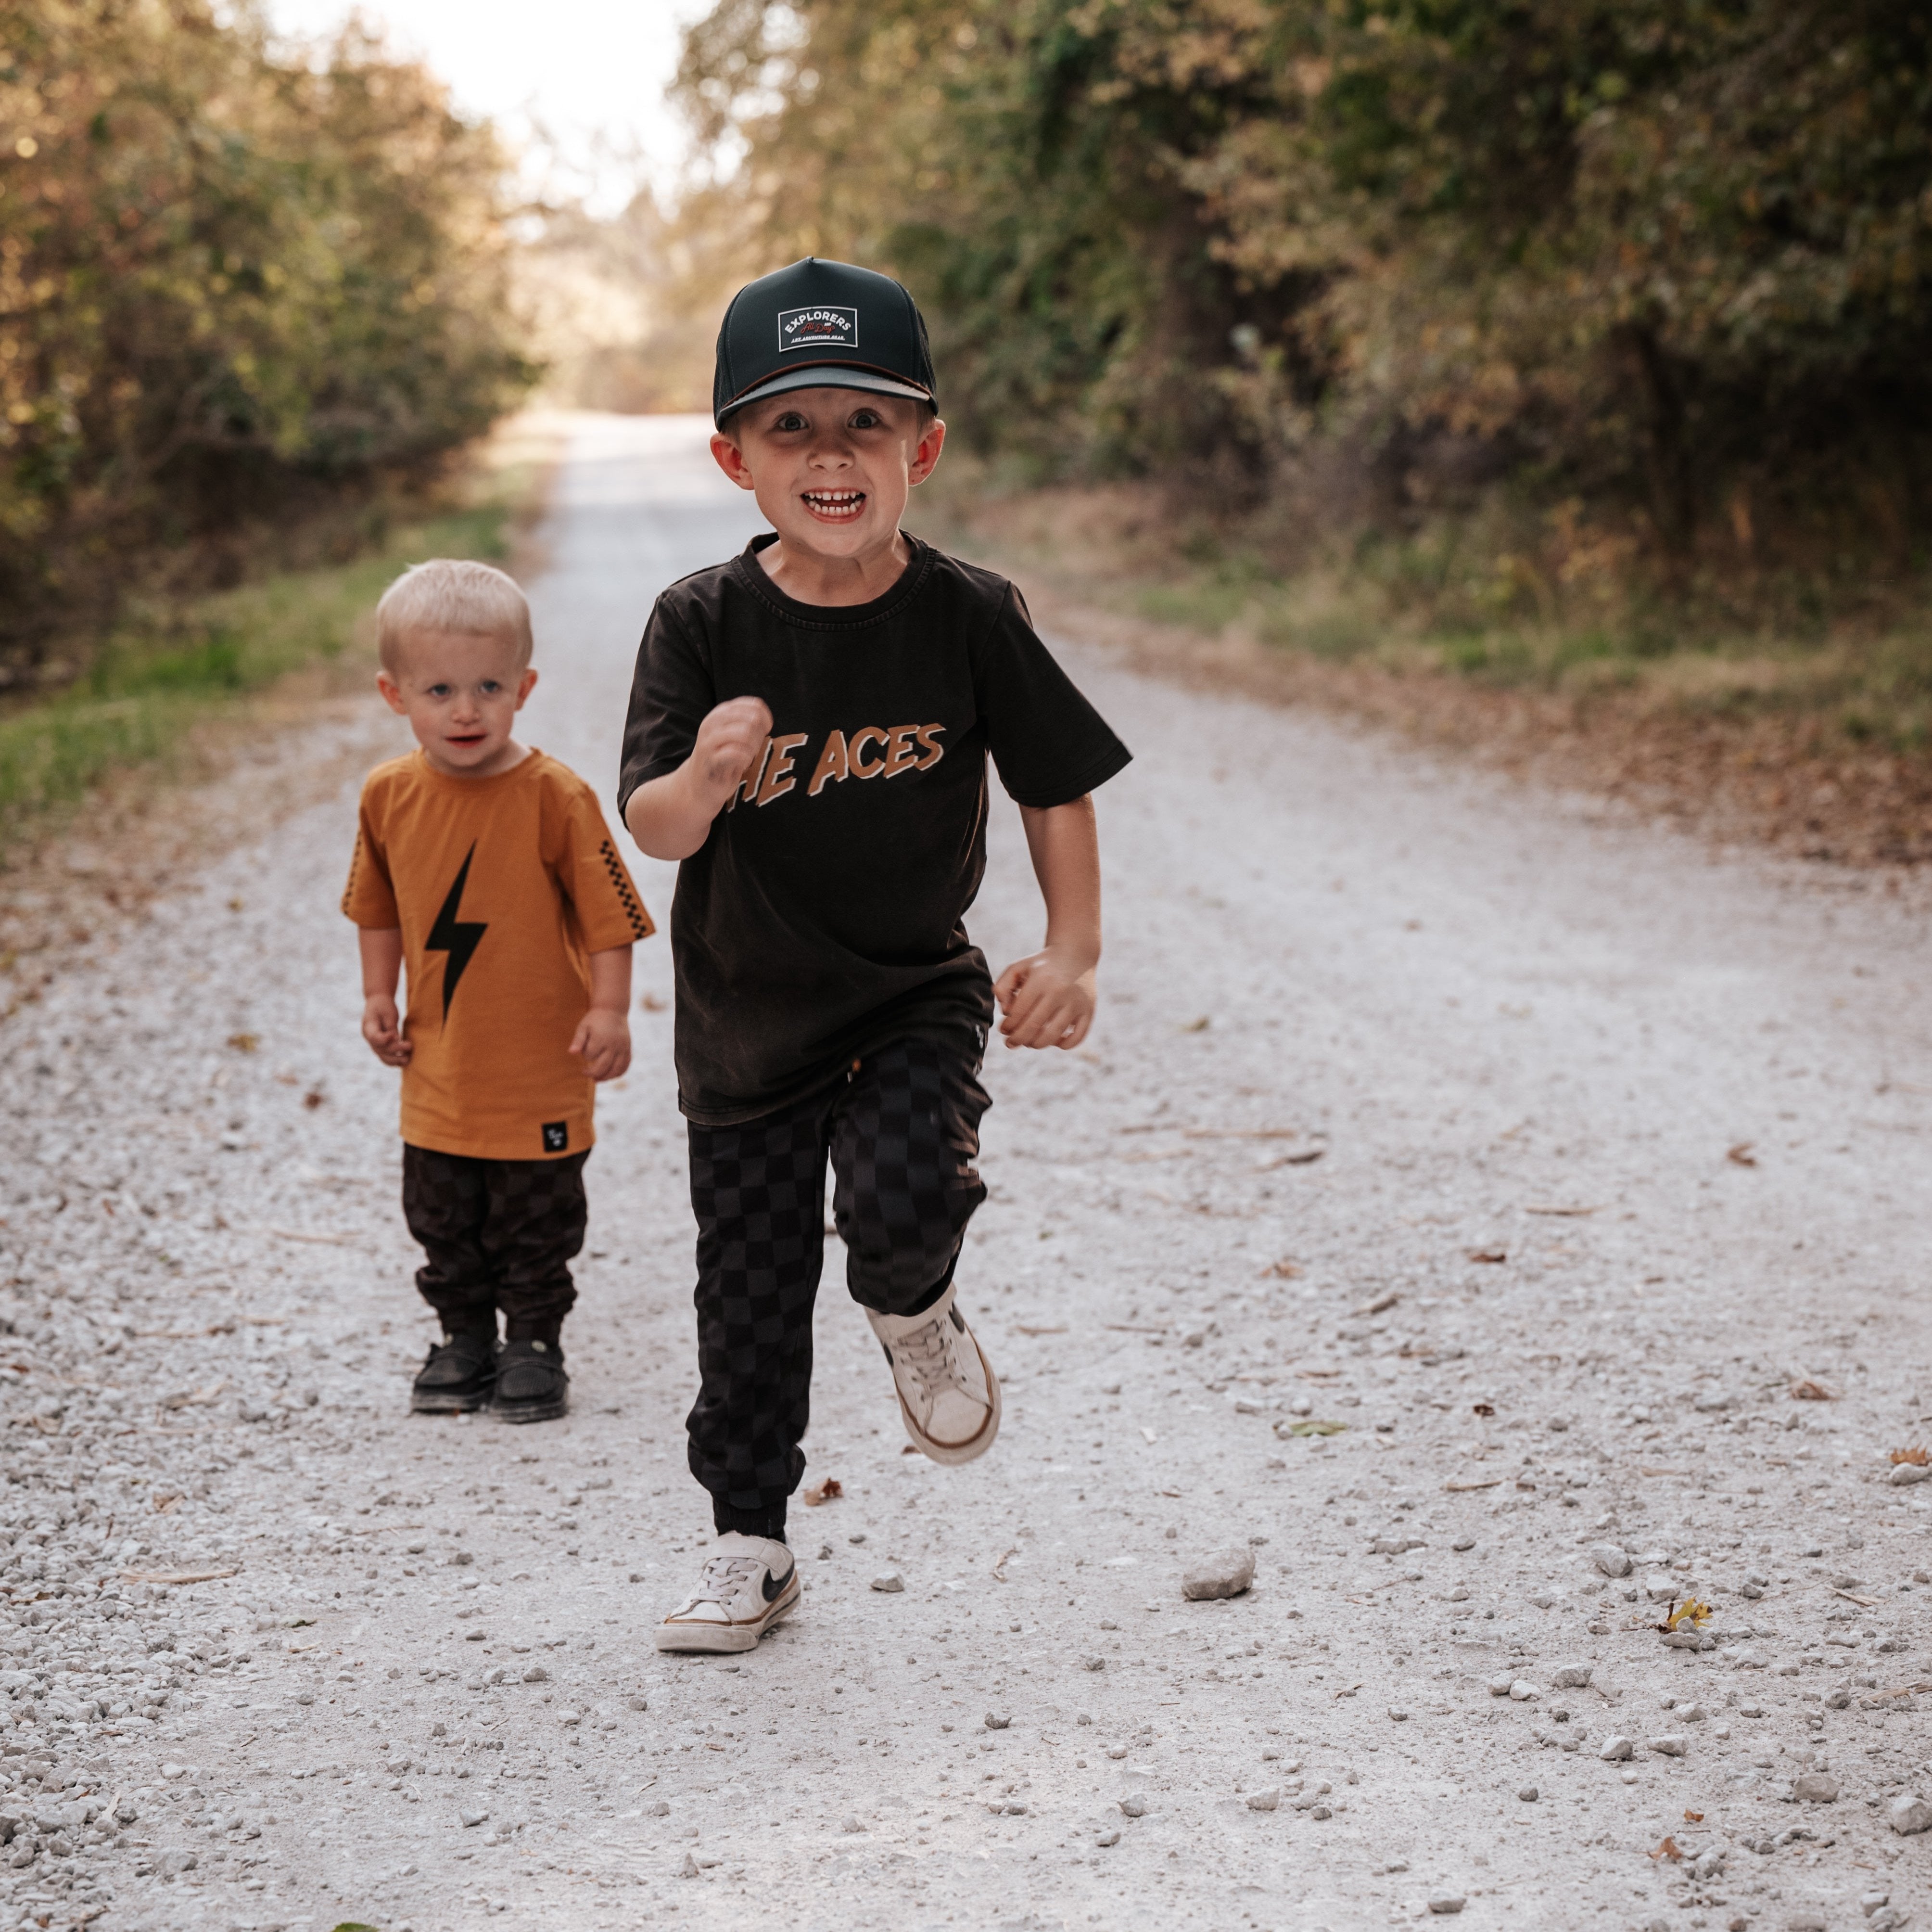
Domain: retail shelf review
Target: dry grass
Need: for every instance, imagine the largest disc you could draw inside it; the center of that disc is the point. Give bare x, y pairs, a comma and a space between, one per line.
1819, 746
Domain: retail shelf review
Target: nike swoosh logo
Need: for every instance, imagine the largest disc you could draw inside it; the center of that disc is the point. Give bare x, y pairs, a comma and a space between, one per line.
775, 1585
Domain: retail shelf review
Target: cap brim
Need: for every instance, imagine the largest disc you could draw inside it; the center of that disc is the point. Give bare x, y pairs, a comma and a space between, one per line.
824, 375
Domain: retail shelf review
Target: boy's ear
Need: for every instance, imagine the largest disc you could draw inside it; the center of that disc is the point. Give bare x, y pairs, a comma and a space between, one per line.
730, 459
925, 458
392, 692
525, 684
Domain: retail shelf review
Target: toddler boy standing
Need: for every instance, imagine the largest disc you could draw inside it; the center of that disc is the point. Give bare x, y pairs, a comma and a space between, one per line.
808, 733
487, 868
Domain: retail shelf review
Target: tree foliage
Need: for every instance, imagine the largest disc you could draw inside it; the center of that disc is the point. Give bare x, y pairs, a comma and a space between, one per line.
1673, 249
227, 281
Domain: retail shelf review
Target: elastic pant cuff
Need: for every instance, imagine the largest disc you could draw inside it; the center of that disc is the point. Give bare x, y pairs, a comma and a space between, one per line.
768, 1523
550, 1333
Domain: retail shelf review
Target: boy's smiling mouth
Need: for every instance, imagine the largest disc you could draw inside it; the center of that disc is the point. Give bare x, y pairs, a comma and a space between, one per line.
834, 506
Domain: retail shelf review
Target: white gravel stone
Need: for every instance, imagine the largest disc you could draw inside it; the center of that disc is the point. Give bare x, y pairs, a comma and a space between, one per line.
1269, 1800
1613, 1559
890, 1582
1570, 1677
1815, 1787
1226, 1573
1671, 1744
1447, 1903
1524, 1692
1909, 1814
1615, 1750
1904, 1474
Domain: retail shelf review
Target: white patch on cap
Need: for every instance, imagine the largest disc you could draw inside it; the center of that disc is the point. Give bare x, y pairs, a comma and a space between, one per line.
817, 328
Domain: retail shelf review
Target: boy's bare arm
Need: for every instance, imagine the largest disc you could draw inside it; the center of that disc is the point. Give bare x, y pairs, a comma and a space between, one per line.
1047, 999
671, 817
382, 947
603, 1035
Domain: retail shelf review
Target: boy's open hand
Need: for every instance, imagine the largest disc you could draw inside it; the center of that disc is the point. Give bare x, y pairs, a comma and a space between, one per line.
1047, 1000
603, 1040
382, 1028
732, 734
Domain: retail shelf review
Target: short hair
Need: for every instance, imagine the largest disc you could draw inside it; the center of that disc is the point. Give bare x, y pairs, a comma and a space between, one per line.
450, 593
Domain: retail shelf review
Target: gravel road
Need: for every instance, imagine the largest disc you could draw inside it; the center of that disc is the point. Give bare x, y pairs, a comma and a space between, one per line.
1539, 1157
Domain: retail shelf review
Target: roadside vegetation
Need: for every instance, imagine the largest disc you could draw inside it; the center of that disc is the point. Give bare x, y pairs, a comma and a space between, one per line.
1571, 351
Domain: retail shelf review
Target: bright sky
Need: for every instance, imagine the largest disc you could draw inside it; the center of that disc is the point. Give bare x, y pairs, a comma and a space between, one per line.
583, 68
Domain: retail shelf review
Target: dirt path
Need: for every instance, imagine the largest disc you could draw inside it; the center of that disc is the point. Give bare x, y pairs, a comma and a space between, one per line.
1543, 1156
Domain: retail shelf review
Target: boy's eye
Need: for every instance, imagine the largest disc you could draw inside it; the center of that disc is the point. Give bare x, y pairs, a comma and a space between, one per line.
439, 690
790, 421
490, 687
864, 418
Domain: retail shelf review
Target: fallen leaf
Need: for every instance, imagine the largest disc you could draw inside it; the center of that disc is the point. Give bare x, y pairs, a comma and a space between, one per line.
1916, 1455
1380, 1305
1690, 1612
1668, 1849
244, 1043
1200, 1025
1809, 1391
1308, 1159
1000, 1568
1311, 1428
827, 1491
1693, 1817
1283, 1270
1483, 1408
1493, 1255
163, 1503
1740, 1155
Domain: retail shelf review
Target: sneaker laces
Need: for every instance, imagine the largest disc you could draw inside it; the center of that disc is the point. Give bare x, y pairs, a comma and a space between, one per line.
723, 1575
928, 1353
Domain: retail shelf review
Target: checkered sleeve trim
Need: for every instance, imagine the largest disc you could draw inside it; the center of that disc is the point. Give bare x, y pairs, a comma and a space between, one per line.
641, 927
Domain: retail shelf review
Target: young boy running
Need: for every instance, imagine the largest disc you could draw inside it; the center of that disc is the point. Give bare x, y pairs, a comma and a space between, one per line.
808, 732
486, 867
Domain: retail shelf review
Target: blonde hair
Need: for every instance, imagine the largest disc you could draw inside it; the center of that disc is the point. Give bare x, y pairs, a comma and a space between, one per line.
450, 594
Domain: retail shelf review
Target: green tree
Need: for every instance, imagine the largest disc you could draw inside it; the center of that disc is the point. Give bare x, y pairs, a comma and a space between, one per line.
228, 283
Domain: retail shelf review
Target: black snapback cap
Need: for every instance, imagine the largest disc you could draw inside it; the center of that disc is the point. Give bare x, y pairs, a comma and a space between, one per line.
820, 325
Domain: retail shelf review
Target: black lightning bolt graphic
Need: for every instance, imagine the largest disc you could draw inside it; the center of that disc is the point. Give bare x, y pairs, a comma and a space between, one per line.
457, 938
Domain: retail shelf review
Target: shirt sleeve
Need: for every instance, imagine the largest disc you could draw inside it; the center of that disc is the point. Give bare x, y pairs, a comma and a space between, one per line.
1050, 744
370, 897
671, 693
594, 878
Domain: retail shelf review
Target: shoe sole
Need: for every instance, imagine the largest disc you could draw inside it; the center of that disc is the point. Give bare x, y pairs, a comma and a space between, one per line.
952, 1454
421, 1404
719, 1639
545, 1411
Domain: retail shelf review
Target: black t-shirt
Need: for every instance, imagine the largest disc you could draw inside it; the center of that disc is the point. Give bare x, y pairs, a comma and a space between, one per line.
825, 914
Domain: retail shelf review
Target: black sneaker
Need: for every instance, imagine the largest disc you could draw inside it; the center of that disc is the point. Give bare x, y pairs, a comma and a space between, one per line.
531, 1385
456, 1376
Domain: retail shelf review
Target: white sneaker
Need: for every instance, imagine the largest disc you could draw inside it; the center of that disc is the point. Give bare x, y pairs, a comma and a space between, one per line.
948, 1392
749, 1584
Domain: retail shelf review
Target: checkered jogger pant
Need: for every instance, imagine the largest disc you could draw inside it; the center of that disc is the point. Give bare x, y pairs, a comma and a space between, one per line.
498, 1234
902, 1131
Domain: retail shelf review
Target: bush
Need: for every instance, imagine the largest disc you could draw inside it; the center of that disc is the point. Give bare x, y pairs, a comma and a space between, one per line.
232, 288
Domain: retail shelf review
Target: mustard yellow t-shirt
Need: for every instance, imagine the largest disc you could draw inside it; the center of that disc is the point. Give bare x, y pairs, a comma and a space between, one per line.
502, 887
